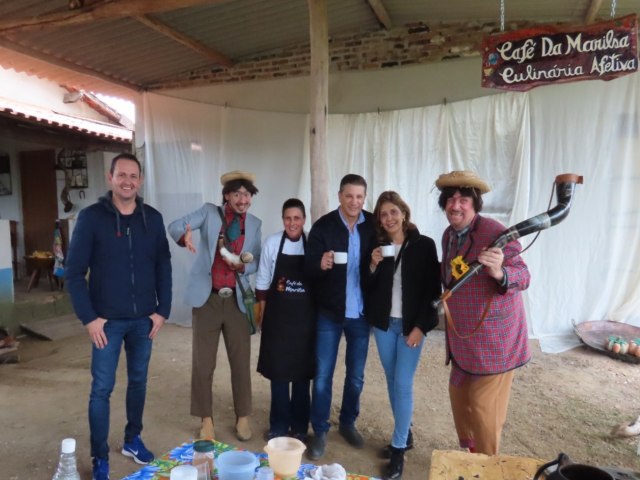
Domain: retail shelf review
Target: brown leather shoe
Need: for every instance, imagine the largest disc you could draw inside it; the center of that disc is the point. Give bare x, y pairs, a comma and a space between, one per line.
206, 429
243, 430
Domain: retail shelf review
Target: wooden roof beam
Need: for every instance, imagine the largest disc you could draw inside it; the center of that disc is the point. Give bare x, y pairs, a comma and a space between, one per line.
164, 29
592, 11
99, 11
380, 11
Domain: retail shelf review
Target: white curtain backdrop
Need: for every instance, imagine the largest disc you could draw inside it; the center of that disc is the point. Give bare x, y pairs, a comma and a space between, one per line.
583, 269
586, 268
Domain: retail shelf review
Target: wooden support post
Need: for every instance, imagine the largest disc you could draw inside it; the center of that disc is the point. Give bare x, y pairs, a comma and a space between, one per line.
592, 11
318, 109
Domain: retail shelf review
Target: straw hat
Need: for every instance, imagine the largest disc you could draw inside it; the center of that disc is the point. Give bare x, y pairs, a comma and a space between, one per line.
462, 179
237, 175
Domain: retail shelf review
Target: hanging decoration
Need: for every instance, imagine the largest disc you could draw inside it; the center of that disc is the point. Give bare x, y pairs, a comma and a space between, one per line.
547, 54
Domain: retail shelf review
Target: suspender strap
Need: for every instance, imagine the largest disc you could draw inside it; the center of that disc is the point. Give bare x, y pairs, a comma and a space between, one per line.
450, 323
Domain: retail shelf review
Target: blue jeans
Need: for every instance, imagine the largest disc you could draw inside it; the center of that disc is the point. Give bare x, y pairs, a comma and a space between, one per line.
104, 363
400, 363
290, 404
356, 332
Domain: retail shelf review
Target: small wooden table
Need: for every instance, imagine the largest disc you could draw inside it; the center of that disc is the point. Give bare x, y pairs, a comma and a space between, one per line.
39, 266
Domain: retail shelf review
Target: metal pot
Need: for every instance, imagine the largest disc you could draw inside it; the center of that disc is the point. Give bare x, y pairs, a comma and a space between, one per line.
567, 470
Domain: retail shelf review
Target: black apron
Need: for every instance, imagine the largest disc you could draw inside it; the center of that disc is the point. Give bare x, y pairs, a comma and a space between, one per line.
287, 346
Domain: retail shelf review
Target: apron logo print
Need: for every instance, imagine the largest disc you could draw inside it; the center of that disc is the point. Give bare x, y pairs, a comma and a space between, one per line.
282, 281
294, 286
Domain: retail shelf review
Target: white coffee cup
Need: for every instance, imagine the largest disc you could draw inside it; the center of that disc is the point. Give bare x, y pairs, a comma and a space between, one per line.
388, 250
340, 258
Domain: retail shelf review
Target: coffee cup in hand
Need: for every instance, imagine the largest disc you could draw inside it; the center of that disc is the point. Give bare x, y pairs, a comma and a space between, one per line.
388, 250
339, 258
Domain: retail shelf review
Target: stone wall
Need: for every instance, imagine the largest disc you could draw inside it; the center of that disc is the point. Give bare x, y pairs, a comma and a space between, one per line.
408, 45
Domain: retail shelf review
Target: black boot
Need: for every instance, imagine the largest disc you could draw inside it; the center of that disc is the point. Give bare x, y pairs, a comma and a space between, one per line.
386, 450
317, 445
396, 464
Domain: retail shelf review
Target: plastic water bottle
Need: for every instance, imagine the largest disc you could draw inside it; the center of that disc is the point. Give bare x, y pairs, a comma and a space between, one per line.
67, 468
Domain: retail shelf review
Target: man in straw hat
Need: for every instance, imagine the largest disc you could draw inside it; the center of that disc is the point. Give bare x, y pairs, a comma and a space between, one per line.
486, 325
216, 297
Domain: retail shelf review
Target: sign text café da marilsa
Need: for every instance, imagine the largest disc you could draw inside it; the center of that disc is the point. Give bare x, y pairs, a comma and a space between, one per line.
545, 54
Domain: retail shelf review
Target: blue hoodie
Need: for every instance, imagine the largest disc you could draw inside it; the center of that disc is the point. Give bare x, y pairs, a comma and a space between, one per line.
128, 259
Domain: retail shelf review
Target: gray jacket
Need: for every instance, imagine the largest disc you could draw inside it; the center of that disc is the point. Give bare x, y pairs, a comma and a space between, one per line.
207, 220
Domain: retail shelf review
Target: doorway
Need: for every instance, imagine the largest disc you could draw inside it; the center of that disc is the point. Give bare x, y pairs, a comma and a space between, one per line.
39, 199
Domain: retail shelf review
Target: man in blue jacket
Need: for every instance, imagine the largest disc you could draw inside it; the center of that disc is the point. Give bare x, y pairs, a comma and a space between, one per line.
349, 231
123, 244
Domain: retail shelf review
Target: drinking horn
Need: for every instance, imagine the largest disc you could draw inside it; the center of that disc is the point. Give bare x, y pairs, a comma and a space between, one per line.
565, 186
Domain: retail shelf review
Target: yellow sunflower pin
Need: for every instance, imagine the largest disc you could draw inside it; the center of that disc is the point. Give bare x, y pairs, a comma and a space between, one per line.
458, 267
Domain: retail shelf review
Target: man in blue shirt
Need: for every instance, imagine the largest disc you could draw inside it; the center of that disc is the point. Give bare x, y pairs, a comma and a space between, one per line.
338, 295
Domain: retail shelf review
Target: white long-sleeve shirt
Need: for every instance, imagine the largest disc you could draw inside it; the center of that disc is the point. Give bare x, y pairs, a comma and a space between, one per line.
270, 254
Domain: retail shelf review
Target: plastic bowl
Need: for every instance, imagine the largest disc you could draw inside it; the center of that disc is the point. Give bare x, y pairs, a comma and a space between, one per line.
184, 472
236, 465
285, 455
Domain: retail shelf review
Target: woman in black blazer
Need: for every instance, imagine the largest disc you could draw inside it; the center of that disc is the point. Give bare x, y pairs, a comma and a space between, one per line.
399, 289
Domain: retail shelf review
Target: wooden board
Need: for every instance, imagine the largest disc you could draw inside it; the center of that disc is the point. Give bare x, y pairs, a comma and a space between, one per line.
457, 465
55, 328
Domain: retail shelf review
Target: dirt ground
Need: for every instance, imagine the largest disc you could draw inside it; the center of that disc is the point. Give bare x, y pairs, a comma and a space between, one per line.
561, 403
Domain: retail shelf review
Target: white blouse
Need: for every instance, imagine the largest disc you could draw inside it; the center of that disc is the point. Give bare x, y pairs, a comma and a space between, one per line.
270, 254
396, 291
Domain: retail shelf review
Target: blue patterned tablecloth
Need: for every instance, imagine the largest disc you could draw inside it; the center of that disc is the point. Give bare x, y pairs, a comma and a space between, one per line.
160, 468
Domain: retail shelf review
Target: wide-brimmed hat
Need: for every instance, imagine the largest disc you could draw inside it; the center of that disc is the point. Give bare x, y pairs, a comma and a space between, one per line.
462, 179
237, 175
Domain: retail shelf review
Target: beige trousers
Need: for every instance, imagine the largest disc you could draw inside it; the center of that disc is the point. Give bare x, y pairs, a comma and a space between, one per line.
220, 315
479, 409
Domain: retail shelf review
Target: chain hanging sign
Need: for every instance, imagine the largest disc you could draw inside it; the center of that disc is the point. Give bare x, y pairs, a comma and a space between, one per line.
543, 55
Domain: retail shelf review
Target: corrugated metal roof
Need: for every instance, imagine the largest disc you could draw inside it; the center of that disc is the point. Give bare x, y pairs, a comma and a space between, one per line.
120, 55
85, 126
571, 11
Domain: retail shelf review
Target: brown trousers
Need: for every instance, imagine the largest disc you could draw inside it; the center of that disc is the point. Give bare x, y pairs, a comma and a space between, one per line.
215, 316
479, 409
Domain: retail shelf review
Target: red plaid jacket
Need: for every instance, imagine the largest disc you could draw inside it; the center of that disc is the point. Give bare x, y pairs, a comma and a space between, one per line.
501, 343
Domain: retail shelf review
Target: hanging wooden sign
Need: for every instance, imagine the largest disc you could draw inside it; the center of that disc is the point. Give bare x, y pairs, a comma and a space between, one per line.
543, 55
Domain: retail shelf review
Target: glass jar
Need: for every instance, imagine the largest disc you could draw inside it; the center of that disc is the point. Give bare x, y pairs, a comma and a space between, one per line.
203, 458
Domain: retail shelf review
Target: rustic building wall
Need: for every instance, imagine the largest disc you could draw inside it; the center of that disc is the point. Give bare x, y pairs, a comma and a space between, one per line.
408, 45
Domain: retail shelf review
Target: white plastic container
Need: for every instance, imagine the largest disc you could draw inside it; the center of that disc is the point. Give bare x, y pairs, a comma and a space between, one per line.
184, 472
285, 455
